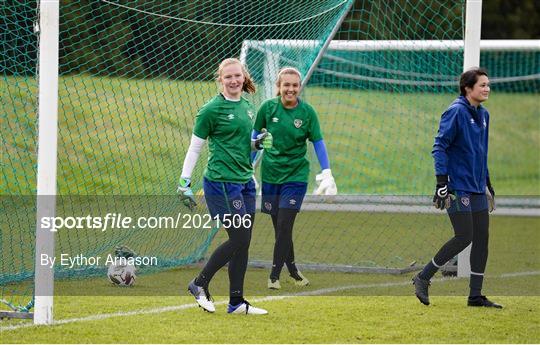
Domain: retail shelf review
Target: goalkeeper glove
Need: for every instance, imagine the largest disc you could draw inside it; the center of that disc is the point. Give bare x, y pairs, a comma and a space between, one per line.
264, 140
186, 194
326, 185
442, 198
490, 193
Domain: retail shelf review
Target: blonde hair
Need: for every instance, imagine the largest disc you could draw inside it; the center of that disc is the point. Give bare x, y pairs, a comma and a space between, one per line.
282, 72
249, 85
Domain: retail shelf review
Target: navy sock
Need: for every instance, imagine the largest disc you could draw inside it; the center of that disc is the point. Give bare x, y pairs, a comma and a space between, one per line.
201, 280
429, 271
234, 301
475, 285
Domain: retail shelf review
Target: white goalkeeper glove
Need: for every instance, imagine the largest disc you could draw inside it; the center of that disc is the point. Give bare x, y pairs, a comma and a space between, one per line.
326, 185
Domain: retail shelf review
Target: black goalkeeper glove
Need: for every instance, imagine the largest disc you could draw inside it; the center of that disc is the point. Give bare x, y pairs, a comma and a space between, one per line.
442, 199
490, 193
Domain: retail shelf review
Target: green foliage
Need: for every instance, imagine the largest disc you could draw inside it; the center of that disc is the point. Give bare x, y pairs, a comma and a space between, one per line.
18, 42
511, 19
403, 20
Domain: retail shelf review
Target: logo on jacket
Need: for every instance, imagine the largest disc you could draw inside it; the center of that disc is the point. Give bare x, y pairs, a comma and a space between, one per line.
230, 116
292, 202
250, 114
275, 119
268, 206
297, 123
237, 204
472, 121
465, 201
485, 123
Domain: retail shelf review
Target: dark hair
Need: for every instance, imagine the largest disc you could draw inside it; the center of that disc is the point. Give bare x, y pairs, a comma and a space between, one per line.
469, 78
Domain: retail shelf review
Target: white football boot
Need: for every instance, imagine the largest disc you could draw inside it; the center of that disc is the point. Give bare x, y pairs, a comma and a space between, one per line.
299, 279
274, 284
245, 308
202, 296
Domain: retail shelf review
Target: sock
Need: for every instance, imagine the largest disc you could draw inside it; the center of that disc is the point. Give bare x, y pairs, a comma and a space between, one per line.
201, 280
274, 274
234, 301
475, 285
291, 266
429, 271
295, 275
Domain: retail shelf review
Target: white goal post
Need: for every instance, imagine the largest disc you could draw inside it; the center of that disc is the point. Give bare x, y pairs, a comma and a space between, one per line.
49, 11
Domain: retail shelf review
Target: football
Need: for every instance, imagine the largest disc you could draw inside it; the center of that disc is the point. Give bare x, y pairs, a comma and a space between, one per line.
121, 275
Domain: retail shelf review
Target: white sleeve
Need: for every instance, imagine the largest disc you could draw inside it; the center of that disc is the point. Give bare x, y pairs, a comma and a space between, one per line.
192, 155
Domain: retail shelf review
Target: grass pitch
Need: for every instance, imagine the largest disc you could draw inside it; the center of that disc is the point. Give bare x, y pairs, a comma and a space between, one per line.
128, 137
121, 136
335, 308
315, 315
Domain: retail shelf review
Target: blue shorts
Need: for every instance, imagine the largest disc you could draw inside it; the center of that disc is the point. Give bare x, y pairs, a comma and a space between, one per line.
229, 198
287, 195
468, 202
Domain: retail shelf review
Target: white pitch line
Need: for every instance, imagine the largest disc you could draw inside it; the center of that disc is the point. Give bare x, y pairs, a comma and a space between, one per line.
519, 274
264, 299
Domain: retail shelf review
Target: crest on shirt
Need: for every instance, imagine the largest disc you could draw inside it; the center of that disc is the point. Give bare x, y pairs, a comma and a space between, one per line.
465, 201
250, 114
268, 205
237, 204
275, 119
297, 123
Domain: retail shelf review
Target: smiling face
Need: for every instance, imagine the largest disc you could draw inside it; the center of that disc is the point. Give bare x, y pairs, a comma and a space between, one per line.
232, 80
479, 92
288, 88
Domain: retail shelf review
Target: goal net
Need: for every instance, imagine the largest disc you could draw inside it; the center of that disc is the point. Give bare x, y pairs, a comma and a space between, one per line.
134, 73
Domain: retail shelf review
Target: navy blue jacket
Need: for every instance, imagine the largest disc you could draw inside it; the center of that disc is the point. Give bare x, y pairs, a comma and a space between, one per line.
461, 146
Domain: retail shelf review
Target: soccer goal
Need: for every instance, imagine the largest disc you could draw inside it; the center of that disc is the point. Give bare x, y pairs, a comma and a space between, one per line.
380, 101
99, 99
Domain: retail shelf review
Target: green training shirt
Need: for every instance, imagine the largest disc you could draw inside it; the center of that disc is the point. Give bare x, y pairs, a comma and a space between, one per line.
228, 126
286, 161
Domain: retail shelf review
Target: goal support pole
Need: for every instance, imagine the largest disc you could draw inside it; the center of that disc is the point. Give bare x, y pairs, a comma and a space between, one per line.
326, 43
471, 58
49, 11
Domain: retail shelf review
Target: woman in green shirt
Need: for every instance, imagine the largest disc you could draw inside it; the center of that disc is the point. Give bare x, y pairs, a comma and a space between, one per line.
226, 121
285, 168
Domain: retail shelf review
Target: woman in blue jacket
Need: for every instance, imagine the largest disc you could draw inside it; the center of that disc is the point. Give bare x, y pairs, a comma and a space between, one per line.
463, 185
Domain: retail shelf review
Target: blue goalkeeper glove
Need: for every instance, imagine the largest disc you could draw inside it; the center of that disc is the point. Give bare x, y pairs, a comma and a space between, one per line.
264, 140
442, 199
186, 194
